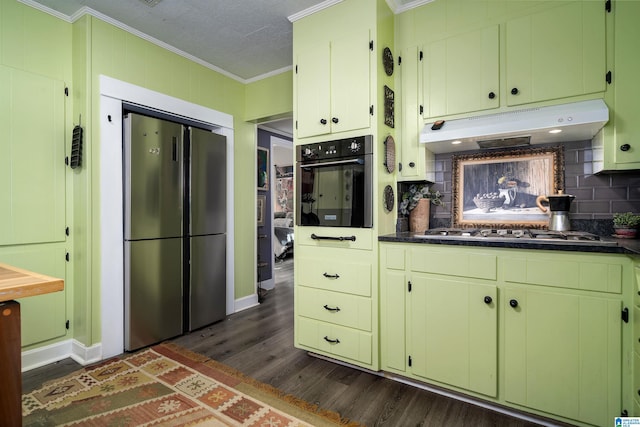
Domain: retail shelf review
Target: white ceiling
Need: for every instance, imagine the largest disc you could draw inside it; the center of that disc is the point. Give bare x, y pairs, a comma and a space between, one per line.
244, 39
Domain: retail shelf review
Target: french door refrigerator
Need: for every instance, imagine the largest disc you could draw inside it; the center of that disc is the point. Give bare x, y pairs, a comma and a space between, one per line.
175, 229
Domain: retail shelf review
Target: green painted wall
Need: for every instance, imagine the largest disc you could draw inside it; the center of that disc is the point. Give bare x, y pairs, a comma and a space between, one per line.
37, 48
270, 98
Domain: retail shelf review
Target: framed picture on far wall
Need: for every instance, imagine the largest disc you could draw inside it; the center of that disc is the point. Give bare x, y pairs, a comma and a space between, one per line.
263, 169
260, 210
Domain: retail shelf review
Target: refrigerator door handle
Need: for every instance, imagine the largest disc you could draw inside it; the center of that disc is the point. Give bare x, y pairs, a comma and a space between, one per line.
175, 149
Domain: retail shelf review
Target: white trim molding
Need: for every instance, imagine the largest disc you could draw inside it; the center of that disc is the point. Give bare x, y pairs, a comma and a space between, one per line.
52, 353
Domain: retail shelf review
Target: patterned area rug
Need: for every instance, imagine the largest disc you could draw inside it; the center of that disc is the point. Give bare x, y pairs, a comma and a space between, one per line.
167, 385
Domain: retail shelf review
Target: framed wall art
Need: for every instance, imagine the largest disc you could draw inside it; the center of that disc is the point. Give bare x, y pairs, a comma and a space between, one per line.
498, 189
260, 210
263, 169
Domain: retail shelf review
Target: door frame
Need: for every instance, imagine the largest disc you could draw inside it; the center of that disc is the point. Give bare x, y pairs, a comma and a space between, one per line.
111, 262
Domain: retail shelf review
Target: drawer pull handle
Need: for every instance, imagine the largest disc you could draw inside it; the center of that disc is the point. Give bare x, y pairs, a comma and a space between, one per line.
326, 307
339, 238
331, 276
336, 341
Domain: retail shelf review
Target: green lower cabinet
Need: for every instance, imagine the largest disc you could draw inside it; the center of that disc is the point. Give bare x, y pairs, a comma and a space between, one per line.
537, 331
563, 354
452, 332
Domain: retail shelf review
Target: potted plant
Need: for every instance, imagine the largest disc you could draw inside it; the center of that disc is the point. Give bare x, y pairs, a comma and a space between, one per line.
626, 225
415, 204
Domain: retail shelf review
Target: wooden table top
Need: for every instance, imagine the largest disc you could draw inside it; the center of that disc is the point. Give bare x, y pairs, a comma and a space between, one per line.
18, 283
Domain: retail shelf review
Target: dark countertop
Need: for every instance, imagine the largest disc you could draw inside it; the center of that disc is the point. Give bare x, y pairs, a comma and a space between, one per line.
622, 246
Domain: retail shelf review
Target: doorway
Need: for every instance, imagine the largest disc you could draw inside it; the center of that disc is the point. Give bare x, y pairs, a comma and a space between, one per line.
275, 226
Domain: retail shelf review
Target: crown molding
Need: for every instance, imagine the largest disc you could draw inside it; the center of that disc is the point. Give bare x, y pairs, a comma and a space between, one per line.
94, 13
311, 10
397, 6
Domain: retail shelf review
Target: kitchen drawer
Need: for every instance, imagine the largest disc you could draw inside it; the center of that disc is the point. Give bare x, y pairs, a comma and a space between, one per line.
328, 237
341, 309
453, 262
339, 274
585, 272
335, 340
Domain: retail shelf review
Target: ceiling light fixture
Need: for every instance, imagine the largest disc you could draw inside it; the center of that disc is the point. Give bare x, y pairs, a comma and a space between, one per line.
456, 142
555, 131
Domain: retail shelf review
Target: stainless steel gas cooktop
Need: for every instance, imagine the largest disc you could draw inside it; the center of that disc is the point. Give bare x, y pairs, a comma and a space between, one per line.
517, 235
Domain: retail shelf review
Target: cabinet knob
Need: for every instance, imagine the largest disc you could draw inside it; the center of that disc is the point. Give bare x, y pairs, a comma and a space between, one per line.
513, 303
488, 300
412, 164
492, 95
625, 147
323, 121
514, 91
335, 120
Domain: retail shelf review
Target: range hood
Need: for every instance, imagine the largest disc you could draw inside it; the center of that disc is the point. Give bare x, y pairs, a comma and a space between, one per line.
577, 121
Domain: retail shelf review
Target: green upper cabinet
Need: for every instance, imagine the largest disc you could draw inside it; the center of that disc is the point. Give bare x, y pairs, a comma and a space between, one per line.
460, 74
555, 50
619, 139
556, 53
332, 80
32, 169
414, 161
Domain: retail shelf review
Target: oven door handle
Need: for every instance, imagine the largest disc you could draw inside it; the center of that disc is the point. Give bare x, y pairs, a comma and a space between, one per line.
340, 238
339, 162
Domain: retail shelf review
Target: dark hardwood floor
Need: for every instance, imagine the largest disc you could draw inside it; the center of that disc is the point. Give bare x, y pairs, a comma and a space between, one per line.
259, 343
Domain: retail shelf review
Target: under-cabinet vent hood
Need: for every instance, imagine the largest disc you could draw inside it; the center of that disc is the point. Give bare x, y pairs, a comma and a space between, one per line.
577, 121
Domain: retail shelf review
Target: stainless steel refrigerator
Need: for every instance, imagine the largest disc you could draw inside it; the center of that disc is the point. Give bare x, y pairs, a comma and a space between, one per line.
175, 229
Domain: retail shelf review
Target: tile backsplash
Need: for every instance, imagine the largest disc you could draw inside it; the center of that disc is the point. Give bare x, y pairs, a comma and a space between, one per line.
597, 196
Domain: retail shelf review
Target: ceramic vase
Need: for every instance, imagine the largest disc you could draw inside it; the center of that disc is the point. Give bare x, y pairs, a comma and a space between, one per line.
419, 217
625, 233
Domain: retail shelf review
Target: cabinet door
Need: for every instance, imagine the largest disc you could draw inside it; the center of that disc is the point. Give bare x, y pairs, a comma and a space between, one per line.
350, 82
43, 317
461, 74
453, 332
627, 89
556, 53
412, 153
333, 81
32, 170
393, 286
313, 91
562, 354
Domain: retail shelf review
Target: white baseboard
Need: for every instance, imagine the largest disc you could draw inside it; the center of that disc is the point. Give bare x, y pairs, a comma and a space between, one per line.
246, 302
52, 353
268, 284
84, 355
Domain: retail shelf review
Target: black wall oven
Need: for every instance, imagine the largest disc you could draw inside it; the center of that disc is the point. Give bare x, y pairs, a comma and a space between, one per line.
334, 183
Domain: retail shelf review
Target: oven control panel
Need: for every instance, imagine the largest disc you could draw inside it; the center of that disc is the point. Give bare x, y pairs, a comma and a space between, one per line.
348, 147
